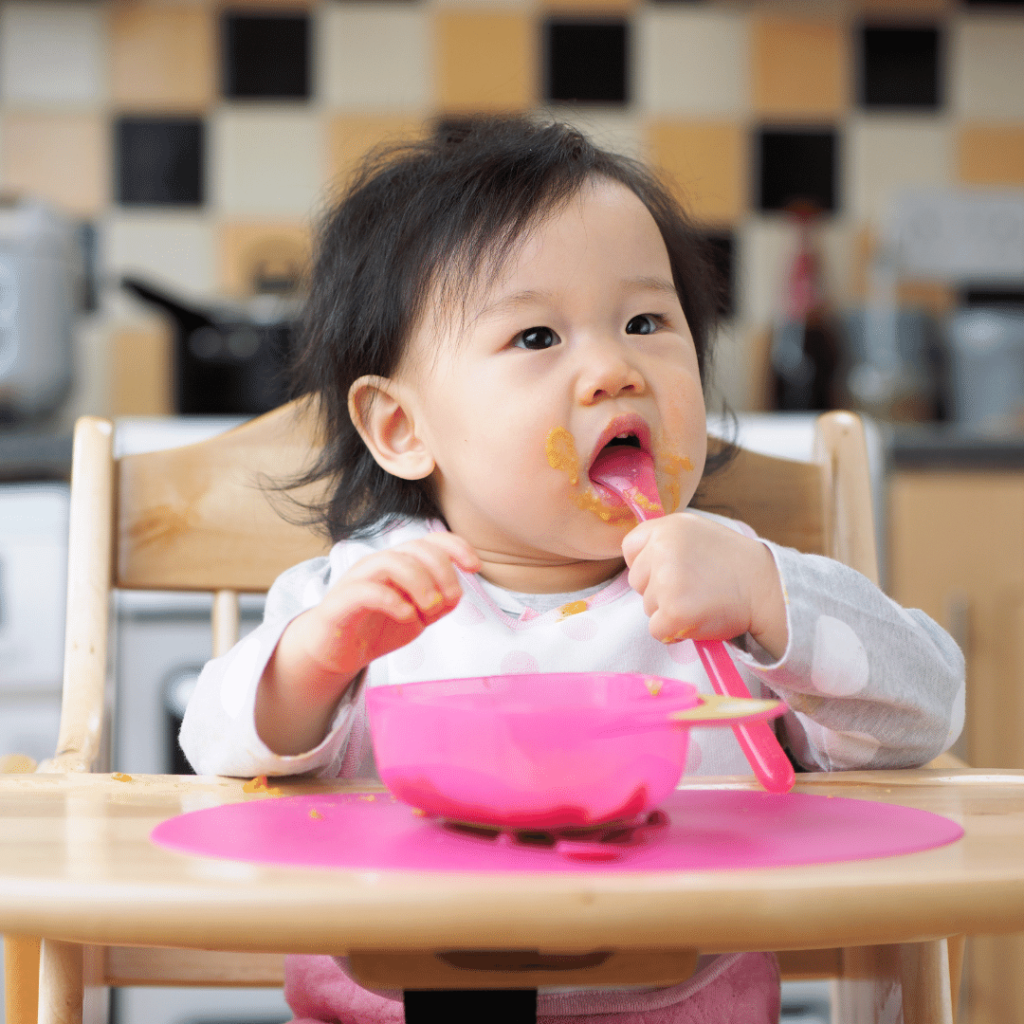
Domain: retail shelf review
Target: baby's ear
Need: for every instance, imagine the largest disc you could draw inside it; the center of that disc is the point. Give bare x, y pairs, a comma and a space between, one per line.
384, 417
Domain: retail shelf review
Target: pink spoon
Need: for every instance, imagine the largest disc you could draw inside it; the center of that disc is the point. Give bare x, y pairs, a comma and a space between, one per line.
629, 473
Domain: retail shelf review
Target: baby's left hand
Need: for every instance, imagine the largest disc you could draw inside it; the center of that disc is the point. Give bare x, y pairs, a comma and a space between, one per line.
701, 580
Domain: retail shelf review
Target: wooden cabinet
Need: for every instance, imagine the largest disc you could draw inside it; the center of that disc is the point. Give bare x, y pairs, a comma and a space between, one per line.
956, 550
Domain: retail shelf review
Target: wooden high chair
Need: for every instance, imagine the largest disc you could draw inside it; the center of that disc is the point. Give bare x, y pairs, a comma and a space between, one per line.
199, 518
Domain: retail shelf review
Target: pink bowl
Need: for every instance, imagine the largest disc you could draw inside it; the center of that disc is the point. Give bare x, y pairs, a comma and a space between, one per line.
538, 751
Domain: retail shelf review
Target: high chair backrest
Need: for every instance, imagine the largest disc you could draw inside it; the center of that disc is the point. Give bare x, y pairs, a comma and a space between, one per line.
202, 517
211, 517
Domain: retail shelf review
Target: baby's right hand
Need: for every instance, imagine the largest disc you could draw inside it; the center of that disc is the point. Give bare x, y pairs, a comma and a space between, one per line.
382, 603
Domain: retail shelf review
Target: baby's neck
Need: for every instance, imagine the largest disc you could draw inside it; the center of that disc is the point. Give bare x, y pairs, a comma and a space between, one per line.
563, 578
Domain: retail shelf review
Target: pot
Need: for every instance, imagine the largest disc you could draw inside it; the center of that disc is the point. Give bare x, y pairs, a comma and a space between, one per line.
545, 751
230, 359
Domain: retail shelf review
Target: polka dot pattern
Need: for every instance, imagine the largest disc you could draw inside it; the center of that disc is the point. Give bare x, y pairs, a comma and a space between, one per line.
517, 662
851, 749
839, 665
579, 627
682, 654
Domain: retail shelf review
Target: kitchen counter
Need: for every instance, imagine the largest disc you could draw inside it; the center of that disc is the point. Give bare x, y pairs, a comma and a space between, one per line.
948, 446
34, 455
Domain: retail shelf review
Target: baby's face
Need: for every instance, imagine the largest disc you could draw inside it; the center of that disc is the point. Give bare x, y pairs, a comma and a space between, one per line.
583, 338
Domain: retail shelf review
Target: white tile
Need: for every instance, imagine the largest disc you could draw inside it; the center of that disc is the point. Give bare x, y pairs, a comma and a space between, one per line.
266, 161
889, 153
609, 129
987, 67
692, 62
176, 250
375, 57
52, 53
765, 247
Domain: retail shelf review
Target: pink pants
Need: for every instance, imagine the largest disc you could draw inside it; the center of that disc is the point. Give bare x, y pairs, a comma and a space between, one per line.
741, 988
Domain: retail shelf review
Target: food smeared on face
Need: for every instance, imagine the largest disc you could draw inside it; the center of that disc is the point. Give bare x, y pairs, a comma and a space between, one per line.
560, 449
672, 466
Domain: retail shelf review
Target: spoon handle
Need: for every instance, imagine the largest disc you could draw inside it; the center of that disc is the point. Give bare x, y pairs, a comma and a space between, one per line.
757, 740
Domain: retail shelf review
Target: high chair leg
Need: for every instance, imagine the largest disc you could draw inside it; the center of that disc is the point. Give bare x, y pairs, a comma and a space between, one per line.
904, 984
21, 979
61, 984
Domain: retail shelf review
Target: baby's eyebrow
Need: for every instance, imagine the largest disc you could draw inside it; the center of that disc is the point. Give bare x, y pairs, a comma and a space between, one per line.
655, 284
531, 295
510, 302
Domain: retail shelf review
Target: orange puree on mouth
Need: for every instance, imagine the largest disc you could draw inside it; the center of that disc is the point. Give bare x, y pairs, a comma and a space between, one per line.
560, 449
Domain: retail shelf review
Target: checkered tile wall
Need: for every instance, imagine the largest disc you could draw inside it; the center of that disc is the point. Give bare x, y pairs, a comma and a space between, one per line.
194, 135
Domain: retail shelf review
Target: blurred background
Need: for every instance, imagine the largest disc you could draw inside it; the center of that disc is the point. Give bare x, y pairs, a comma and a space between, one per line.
857, 167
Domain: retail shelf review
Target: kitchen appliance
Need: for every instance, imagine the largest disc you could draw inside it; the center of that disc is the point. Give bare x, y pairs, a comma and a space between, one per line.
33, 571
228, 359
39, 275
986, 367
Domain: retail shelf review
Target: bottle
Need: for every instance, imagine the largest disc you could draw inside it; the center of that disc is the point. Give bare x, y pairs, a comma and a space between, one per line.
805, 352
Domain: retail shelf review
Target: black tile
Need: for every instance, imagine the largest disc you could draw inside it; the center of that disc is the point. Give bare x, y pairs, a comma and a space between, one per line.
797, 166
900, 67
158, 161
721, 251
586, 61
266, 56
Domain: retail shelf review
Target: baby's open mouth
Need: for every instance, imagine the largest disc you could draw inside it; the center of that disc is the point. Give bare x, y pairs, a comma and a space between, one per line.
612, 454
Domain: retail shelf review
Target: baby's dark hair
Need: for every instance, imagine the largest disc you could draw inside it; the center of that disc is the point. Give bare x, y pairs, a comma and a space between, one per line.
421, 219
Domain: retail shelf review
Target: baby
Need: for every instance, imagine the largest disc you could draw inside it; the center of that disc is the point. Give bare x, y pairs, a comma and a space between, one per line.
490, 308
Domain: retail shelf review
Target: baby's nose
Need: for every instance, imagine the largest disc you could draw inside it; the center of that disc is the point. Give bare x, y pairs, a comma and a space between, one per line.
607, 372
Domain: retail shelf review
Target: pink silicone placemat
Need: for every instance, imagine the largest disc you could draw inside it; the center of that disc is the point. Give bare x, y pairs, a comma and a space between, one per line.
707, 829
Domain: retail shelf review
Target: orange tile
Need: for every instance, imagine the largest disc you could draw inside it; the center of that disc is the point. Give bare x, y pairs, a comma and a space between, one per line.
350, 138
162, 58
990, 154
254, 255
486, 61
60, 157
590, 6
799, 69
707, 161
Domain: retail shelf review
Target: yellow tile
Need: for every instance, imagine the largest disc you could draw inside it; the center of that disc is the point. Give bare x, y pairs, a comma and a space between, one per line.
486, 61
800, 68
707, 161
898, 7
350, 138
141, 371
60, 157
991, 154
252, 255
162, 58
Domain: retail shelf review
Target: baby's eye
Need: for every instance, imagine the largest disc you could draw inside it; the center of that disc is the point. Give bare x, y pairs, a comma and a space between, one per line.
645, 323
536, 338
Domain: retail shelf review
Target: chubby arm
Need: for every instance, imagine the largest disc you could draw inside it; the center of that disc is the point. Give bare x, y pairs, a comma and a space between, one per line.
868, 682
702, 580
382, 603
